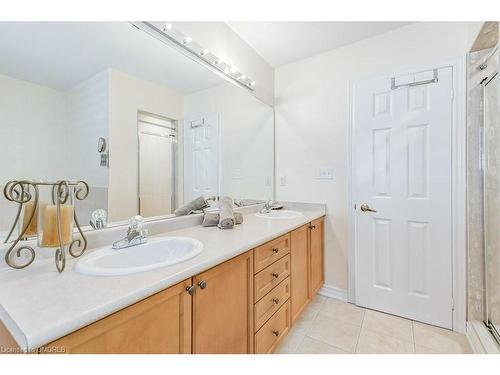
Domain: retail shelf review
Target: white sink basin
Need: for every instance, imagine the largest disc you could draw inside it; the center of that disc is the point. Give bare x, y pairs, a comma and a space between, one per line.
156, 253
280, 214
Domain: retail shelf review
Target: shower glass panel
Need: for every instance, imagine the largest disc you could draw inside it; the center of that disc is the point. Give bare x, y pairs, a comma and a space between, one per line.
157, 165
491, 202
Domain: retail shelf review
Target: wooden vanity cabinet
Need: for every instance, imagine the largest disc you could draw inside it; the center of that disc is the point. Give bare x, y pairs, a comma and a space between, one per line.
316, 246
300, 283
223, 307
244, 305
158, 324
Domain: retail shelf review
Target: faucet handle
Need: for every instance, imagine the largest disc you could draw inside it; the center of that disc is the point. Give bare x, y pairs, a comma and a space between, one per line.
135, 223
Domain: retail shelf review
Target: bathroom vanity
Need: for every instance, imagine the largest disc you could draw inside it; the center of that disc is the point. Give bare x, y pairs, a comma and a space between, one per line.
240, 295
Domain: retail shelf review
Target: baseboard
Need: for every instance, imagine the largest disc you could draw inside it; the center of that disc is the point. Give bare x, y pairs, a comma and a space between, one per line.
480, 339
333, 292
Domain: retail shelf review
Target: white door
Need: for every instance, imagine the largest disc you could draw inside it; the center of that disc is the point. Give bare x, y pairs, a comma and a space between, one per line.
201, 156
402, 169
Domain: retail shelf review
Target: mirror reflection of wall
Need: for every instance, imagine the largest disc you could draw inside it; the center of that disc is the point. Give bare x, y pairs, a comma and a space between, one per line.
173, 129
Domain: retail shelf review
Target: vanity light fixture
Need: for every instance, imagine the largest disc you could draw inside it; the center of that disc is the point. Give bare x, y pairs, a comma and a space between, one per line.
170, 35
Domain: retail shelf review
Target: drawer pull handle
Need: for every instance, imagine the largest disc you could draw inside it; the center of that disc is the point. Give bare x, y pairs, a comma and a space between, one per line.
276, 333
276, 301
202, 284
190, 289
275, 275
275, 249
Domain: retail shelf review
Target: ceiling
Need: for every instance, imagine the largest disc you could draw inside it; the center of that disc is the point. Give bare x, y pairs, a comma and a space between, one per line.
280, 43
62, 54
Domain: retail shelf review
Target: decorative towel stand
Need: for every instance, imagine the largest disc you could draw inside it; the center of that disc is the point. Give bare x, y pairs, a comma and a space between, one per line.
62, 193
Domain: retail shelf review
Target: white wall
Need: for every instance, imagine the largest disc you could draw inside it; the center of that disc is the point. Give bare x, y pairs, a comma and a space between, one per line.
312, 117
127, 96
32, 131
219, 38
246, 139
87, 121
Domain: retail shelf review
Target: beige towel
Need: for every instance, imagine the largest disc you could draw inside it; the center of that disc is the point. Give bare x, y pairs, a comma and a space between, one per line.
226, 214
211, 219
191, 207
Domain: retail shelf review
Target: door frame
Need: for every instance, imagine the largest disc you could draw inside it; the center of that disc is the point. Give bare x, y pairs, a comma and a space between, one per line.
459, 175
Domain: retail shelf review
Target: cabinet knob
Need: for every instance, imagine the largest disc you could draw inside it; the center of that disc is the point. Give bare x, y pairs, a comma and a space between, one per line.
202, 284
275, 275
275, 249
276, 301
312, 226
190, 289
276, 333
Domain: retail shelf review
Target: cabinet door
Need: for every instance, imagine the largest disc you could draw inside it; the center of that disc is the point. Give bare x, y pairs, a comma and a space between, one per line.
316, 258
223, 308
159, 324
299, 252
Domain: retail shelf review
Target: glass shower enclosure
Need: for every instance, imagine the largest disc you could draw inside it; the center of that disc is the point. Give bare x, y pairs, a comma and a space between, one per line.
490, 166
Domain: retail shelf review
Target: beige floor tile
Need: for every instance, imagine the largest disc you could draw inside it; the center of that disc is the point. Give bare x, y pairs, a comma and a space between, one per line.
344, 311
442, 340
334, 332
423, 350
312, 346
305, 320
371, 342
317, 302
291, 342
389, 325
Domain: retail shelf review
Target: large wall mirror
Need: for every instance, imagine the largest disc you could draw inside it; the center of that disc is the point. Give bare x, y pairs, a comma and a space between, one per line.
147, 127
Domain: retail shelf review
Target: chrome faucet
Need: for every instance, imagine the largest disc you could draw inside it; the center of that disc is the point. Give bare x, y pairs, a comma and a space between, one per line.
269, 206
135, 234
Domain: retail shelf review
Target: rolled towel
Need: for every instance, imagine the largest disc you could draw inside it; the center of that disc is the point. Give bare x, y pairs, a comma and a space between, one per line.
226, 214
193, 206
211, 219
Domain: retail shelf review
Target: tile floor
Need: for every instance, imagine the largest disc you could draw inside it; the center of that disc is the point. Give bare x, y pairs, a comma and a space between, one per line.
330, 326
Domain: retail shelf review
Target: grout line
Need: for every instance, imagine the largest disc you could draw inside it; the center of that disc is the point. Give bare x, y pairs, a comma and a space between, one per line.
359, 333
413, 335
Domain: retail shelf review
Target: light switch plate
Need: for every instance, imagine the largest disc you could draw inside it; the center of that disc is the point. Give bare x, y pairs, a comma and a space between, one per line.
325, 173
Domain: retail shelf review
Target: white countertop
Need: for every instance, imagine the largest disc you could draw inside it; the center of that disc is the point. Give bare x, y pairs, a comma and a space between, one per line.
38, 305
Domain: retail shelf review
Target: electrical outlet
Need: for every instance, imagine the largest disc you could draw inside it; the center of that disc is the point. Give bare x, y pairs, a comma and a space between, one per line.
325, 173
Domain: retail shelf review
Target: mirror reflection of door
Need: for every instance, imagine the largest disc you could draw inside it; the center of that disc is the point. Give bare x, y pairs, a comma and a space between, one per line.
201, 156
157, 158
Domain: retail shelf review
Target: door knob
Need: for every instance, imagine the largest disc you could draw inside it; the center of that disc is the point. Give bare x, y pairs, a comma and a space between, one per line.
202, 284
365, 208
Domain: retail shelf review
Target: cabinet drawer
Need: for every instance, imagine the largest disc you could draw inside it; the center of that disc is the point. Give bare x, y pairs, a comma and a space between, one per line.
270, 252
271, 333
271, 302
271, 276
